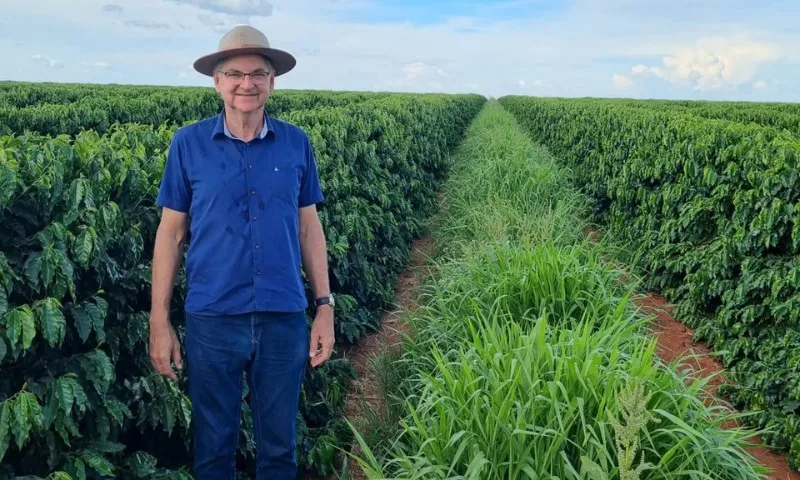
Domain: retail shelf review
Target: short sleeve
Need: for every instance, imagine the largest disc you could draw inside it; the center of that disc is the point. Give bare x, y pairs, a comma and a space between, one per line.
310, 189
175, 192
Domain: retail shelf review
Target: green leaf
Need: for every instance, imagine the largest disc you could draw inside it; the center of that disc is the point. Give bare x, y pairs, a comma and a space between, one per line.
142, 464
47, 266
21, 327
97, 314
79, 189
3, 301
51, 320
27, 417
117, 411
64, 388
33, 268
8, 178
79, 467
59, 476
91, 314
107, 447
5, 426
110, 216
84, 246
83, 323
99, 370
98, 463
68, 272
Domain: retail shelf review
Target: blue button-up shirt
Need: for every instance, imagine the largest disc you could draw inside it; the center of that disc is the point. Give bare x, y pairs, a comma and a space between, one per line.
242, 199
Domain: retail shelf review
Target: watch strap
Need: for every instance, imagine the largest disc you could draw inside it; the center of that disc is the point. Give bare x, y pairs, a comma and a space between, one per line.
322, 301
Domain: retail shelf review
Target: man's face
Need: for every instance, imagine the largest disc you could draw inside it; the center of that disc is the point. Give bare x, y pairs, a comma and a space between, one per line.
244, 93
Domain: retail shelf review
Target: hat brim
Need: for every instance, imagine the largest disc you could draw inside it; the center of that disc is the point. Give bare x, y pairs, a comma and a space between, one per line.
281, 60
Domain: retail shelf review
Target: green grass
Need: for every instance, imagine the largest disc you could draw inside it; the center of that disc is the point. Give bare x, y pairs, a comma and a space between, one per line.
528, 358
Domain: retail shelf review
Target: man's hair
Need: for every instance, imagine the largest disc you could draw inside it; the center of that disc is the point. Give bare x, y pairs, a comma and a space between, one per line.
270, 67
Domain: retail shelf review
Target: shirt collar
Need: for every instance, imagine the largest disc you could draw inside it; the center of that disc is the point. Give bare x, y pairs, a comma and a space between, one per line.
222, 128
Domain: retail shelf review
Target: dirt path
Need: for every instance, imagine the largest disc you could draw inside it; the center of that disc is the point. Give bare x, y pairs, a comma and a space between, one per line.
365, 387
675, 341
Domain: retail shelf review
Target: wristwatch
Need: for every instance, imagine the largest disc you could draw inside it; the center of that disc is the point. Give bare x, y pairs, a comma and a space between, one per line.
328, 300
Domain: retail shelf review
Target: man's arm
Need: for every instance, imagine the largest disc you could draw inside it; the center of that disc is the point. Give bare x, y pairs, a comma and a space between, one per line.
315, 264
167, 254
314, 251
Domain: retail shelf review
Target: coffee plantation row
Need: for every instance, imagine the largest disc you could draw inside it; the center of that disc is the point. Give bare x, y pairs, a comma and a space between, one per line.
713, 207
782, 116
55, 109
77, 392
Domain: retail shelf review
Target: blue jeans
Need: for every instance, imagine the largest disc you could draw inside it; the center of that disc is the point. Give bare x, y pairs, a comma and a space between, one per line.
272, 350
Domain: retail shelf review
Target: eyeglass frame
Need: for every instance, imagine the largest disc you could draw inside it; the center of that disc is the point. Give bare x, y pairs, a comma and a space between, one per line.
237, 72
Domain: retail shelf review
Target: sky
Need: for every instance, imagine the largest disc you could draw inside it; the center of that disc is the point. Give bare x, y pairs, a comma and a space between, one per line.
674, 49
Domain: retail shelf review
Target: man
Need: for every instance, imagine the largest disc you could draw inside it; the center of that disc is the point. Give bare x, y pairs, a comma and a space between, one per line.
243, 187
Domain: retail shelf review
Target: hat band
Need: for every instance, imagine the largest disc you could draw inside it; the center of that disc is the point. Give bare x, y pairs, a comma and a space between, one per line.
244, 45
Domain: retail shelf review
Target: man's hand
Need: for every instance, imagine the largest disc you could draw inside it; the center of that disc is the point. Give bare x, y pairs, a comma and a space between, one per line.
322, 336
164, 346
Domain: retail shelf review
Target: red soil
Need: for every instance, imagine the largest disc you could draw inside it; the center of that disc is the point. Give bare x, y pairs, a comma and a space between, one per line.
390, 337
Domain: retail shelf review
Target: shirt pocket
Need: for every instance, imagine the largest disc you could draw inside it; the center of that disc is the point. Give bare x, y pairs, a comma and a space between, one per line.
283, 186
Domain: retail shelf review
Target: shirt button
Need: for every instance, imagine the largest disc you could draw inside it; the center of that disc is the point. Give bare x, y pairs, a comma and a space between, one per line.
252, 192
255, 218
258, 246
250, 167
258, 272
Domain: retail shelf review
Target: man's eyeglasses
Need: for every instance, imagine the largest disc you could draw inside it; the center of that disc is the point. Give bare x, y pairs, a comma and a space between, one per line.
259, 78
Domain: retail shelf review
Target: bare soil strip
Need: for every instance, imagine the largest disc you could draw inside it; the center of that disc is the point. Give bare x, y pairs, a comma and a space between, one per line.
364, 389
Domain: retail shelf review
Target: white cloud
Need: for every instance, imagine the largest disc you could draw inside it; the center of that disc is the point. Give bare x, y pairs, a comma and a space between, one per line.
644, 70
101, 65
411, 72
761, 85
414, 70
149, 24
113, 8
43, 60
521, 83
621, 82
220, 23
713, 64
234, 7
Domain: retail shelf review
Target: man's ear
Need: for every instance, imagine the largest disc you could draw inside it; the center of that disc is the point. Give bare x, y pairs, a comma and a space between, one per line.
216, 80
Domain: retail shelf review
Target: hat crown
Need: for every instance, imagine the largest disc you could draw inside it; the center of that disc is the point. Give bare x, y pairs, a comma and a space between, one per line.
245, 40
243, 36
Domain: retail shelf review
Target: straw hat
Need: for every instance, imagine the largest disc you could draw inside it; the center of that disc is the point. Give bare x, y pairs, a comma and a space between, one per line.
244, 39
